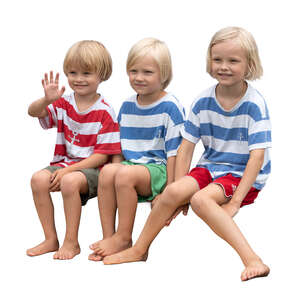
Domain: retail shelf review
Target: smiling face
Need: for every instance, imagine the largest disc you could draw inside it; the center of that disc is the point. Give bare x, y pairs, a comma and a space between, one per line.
229, 64
144, 77
83, 83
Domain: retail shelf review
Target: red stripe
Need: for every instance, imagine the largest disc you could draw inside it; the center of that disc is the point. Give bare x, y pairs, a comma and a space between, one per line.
93, 116
109, 148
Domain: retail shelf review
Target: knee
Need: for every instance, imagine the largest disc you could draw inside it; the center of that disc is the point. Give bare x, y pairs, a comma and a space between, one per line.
125, 177
106, 175
200, 201
69, 184
171, 196
40, 181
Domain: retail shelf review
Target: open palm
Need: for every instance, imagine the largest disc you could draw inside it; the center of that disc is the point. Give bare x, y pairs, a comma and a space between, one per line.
51, 87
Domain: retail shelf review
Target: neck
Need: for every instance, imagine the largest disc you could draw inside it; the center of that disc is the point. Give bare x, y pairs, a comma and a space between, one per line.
232, 93
84, 102
149, 99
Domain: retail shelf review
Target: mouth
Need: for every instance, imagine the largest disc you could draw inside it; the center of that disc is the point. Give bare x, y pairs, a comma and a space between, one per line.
224, 75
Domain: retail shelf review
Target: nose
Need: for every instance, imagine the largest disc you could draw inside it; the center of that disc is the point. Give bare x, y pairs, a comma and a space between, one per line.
224, 65
78, 77
139, 76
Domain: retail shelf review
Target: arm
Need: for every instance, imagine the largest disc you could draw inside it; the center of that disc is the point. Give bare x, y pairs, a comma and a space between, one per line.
117, 158
52, 93
184, 158
253, 167
183, 163
93, 161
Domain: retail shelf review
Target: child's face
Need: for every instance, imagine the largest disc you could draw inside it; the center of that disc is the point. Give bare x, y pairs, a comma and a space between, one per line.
83, 83
229, 63
144, 76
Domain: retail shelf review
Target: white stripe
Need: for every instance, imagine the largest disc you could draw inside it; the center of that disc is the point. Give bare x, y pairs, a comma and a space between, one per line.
173, 132
260, 146
143, 145
188, 136
238, 147
81, 128
228, 122
74, 151
110, 137
151, 121
263, 125
52, 110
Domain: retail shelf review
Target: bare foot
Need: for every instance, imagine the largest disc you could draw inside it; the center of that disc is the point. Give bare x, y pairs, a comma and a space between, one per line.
111, 245
95, 257
255, 269
96, 246
128, 255
67, 251
44, 247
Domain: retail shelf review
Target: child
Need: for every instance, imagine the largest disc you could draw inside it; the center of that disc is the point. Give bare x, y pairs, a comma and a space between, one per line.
87, 133
232, 121
150, 125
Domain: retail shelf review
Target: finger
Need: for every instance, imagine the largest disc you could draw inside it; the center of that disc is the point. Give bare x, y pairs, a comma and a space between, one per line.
57, 78
51, 76
43, 83
46, 78
176, 213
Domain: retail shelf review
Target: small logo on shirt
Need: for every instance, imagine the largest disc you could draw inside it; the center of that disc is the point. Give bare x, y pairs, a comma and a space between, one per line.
73, 139
159, 134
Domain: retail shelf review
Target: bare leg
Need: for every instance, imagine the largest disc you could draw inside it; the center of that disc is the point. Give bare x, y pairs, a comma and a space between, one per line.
130, 181
72, 185
107, 203
40, 190
175, 195
206, 204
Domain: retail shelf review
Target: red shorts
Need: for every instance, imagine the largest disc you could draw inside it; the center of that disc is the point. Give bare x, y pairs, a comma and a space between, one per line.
228, 182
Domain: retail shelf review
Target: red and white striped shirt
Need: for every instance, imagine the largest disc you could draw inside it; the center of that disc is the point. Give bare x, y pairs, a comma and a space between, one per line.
80, 134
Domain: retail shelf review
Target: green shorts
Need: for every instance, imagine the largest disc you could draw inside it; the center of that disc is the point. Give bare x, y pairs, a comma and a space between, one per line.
158, 175
91, 176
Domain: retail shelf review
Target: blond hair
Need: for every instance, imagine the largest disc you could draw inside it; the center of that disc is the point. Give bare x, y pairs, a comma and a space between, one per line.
246, 42
159, 51
89, 56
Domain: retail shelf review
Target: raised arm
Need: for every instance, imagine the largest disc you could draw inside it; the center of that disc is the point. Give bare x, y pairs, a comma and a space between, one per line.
52, 93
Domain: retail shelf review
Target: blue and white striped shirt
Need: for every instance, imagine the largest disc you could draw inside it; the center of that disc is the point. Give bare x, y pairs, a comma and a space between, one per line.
229, 136
151, 134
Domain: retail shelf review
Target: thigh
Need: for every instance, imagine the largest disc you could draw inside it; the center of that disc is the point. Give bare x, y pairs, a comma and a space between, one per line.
137, 176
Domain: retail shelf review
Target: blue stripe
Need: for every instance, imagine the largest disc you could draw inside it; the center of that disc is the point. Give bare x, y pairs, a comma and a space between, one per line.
226, 157
247, 108
226, 134
137, 133
193, 130
129, 155
260, 137
167, 107
173, 143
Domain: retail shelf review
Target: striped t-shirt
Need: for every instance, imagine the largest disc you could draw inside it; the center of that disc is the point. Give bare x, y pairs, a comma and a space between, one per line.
80, 134
229, 136
150, 134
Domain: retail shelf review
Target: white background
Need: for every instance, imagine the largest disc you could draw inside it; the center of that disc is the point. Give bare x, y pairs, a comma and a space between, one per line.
186, 260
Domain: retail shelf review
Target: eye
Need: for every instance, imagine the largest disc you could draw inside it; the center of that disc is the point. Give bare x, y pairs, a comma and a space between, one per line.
234, 60
86, 73
148, 72
132, 71
216, 59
